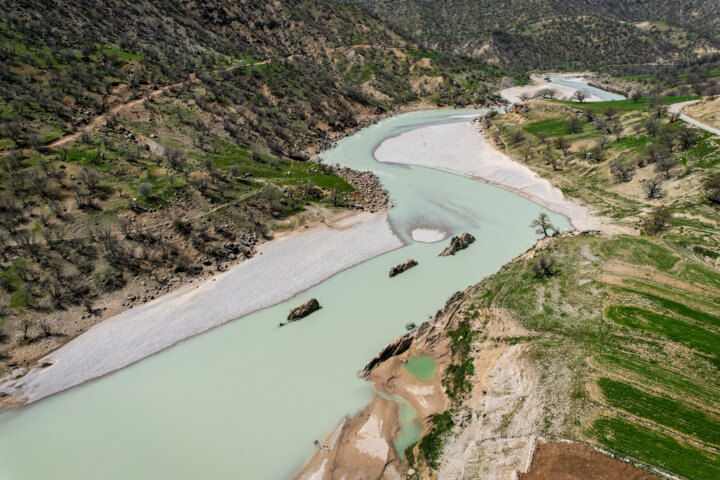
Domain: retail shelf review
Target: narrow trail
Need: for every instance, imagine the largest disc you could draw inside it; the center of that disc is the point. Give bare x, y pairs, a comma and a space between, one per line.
101, 119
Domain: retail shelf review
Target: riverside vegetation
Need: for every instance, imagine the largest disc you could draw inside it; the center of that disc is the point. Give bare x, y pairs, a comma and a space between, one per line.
132, 163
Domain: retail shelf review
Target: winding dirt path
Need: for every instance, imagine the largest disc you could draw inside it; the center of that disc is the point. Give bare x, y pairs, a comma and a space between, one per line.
677, 108
101, 119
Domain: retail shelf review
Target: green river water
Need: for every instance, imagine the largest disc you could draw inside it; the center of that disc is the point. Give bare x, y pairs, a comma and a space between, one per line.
422, 367
246, 400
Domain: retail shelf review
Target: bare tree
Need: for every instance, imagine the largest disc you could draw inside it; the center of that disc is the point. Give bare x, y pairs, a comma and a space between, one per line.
652, 125
563, 144
25, 325
652, 187
145, 189
90, 178
544, 266
573, 124
622, 171
580, 95
636, 95
542, 225
610, 112
603, 141
546, 93
666, 165
686, 137
175, 158
658, 220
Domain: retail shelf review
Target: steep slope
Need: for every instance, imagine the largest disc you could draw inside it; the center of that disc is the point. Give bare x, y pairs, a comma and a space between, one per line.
558, 34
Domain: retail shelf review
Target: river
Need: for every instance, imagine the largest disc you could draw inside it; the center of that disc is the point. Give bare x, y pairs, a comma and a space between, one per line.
247, 399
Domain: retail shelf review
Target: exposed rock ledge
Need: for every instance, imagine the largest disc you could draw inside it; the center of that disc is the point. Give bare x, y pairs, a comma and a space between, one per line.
406, 265
302, 311
458, 243
375, 197
361, 447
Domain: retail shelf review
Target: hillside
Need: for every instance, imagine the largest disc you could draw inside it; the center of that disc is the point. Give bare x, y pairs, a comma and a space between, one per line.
147, 143
558, 34
615, 343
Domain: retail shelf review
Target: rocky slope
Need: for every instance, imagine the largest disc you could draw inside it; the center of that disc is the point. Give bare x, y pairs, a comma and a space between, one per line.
558, 34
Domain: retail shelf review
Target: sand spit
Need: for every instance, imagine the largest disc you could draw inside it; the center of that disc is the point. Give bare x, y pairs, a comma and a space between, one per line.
513, 94
283, 268
460, 149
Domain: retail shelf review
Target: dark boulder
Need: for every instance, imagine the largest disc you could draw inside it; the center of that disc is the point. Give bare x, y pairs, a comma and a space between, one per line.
406, 265
458, 243
398, 346
303, 310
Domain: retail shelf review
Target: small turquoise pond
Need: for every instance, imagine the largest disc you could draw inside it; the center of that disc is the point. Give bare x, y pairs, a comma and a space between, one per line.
422, 367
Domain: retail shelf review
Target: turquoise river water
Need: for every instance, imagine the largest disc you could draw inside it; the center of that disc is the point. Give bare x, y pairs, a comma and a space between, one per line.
246, 400
571, 80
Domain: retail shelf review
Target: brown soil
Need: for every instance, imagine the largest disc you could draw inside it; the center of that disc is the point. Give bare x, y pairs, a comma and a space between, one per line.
574, 461
706, 111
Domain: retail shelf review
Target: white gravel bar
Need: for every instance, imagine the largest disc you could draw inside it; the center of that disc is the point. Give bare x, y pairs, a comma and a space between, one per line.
286, 267
460, 149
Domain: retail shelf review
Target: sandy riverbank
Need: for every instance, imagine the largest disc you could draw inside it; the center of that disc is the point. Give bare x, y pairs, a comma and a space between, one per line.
284, 267
362, 446
460, 149
514, 94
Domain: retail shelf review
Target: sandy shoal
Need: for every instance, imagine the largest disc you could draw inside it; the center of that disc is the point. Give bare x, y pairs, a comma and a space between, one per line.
285, 267
460, 149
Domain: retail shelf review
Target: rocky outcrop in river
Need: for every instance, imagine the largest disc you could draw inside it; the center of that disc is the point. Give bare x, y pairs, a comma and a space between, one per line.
458, 243
406, 265
375, 197
302, 311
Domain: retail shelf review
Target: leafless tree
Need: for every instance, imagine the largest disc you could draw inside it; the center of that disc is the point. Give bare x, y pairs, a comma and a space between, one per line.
622, 171
544, 266
563, 144
603, 141
580, 95
666, 165
90, 178
145, 189
652, 187
658, 220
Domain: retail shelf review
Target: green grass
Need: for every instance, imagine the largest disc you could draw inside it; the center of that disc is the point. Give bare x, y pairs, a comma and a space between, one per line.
431, 445
679, 308
702, 275
626, 105
671, 328
124, 54
664, 411
458, 373
650, 372
422, 54
701, 300
656, 448
553, 127
640, 251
